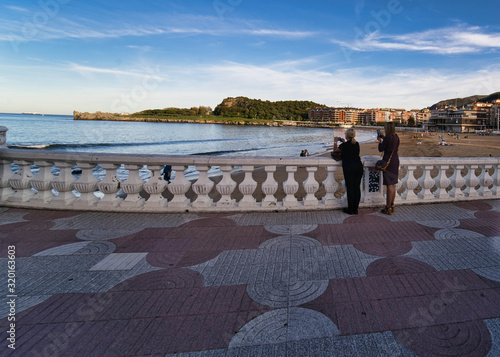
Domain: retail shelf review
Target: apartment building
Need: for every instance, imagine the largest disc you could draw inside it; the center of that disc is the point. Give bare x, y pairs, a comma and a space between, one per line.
472, 117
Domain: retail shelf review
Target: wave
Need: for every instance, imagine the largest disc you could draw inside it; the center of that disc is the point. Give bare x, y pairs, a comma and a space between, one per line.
65, 146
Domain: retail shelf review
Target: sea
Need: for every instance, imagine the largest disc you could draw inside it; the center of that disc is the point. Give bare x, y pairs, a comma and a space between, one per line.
62, 133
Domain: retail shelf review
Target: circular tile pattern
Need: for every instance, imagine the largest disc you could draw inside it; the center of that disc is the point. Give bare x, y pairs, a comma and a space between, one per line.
97, 248
291, 229
104, 234
471, 338
397, 266
285, 295
284, 325
66, 249
454, 233
445, 223
284, 242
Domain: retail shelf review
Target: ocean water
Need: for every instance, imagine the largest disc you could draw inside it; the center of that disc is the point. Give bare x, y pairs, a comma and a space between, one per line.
60, 132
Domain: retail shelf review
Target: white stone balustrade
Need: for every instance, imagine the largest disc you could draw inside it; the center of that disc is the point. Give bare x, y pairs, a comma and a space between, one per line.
56, 184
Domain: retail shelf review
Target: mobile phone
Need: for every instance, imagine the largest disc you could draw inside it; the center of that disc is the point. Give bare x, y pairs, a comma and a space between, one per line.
379, 133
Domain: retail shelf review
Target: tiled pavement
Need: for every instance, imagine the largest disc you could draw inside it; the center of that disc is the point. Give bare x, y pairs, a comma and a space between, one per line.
422, 282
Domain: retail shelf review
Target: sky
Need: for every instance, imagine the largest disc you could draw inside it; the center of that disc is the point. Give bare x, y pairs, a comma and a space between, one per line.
57, 56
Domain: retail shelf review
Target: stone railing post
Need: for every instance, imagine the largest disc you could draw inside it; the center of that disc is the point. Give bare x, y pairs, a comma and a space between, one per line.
426, 183
132, 186
20, 182
247, 188
5, 175
109, 186
3, 137
269, 187
485, 181
457, 182
86, 185
331, 186
42, 182
290, 187
495, 190
178, 187
471, 181
202, 188
63, 183
155, 187
225, 187
442, 182
410, 183
311, 186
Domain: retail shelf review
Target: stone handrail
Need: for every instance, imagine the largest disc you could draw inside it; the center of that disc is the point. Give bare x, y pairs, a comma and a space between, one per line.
133, 183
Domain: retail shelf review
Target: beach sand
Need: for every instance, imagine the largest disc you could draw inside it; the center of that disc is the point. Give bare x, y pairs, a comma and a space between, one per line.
471, 145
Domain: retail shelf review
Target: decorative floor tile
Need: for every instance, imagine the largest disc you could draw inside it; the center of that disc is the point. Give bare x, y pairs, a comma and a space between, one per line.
119, 261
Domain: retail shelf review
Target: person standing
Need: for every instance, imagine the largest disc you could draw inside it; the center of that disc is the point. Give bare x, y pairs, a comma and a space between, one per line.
389, 145
353, 169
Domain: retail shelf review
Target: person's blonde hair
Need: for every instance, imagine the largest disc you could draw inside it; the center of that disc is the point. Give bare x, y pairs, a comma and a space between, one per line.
389, 128
350, 134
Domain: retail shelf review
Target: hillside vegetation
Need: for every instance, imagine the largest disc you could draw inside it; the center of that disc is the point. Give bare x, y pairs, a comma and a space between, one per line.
459, 102
243, 107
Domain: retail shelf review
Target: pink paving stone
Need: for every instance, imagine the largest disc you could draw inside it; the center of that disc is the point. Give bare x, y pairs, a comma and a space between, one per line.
474, 205
390, 249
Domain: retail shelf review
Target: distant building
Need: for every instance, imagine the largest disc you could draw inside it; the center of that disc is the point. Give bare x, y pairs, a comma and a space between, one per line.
344, 115
472, 117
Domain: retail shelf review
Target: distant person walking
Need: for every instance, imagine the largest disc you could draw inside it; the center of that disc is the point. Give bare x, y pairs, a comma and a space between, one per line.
353, 169
389, 144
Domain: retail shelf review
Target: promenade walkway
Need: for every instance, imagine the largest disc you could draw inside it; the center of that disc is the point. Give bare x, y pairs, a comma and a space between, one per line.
422, 282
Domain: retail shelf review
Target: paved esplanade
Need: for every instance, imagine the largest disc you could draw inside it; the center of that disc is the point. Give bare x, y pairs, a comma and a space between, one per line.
424, 281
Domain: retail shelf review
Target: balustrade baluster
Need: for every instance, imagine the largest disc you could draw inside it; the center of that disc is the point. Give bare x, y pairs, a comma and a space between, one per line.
331, 186
442, 182
457, 182
132, 186
20, 182
471, 181
426, 183
225, 187
178, 187
485, 181
86, 185
109, 186
495, 190
155, 187
410, 183
311, 186
269, 187
202, 188
5, 175
63, 183
42, 182
247, 188
290, 187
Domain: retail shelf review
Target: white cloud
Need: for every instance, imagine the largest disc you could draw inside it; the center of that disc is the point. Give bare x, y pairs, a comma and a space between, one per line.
449, 40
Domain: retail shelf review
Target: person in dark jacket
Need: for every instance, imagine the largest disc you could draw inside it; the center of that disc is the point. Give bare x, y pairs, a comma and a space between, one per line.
353, 169
389, 144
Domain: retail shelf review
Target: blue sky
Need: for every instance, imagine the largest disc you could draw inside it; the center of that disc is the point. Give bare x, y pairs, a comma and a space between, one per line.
57, 56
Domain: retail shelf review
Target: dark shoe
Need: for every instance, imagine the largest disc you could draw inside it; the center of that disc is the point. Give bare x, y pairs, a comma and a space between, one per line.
346, 210
387, 211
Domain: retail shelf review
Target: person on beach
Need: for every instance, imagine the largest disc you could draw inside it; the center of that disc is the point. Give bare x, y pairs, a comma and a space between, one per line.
389, 144
353, 169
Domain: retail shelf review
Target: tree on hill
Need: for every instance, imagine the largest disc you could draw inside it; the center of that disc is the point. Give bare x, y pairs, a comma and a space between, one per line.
243, 107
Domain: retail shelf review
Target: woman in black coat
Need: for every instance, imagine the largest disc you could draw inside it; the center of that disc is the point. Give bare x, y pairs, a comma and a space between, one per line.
389, 144
353, 169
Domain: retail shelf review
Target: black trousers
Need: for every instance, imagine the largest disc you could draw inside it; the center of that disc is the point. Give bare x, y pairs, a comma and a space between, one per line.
352, 177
